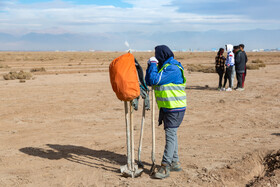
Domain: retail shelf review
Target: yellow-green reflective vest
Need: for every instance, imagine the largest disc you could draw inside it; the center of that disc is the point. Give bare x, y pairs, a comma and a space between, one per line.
171, 95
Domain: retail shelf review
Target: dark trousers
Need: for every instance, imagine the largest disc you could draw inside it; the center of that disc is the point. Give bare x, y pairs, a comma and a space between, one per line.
228, 76
244, 77
240, 79
221, 74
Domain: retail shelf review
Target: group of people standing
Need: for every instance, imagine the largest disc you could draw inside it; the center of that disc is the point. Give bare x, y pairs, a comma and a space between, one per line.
234, 63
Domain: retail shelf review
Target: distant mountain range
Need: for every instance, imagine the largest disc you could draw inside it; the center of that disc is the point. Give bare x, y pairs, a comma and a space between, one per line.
185, 40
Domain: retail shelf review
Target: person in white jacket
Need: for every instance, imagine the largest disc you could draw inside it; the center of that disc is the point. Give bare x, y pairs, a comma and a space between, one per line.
229, 66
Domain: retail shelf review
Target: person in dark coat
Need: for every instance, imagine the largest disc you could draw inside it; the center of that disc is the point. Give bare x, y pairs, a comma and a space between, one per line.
240, 65
242, 46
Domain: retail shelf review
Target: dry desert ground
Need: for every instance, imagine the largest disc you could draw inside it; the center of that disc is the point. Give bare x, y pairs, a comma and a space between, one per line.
66, 127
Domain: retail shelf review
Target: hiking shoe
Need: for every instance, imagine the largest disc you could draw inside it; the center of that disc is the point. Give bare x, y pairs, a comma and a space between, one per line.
240, 89
223, 89
175, 166
163, 172
228, 89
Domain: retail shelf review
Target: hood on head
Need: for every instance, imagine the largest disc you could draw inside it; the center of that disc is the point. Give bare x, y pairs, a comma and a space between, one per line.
162, 53
229, 47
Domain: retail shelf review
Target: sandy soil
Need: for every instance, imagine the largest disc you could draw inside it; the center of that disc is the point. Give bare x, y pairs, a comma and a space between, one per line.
65, 127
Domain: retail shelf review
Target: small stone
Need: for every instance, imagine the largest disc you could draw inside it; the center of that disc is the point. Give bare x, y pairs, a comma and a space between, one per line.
204, 169
228, 167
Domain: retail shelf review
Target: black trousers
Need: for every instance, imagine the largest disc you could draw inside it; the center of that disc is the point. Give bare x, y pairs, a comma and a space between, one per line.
228, 76
221, 74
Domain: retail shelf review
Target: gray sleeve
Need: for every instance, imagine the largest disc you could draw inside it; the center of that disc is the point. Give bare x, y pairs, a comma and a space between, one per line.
238, 58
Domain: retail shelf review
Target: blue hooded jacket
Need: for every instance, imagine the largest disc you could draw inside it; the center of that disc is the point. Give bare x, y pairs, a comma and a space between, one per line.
170, 74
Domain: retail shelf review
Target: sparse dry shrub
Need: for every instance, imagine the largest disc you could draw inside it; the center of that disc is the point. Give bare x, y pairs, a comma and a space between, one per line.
3, 66
258, 61
180, 57
262, 65
19, 75
255, 64
42, 69
252, 66
200, 68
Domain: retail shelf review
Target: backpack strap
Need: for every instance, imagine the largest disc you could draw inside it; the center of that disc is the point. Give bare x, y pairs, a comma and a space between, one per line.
144, 91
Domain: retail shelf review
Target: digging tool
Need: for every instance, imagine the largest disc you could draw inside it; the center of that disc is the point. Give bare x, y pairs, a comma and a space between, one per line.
152, 170
131, 139
127, 136
140, 164
131, 169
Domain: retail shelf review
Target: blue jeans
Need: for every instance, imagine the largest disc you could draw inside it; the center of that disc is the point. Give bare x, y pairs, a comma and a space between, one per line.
171, 147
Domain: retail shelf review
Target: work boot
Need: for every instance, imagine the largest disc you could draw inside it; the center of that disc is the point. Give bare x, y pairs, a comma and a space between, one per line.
175, 166
162, 172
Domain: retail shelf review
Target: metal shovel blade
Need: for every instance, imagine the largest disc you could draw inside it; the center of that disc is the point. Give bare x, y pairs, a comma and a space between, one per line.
152, 170
129, 173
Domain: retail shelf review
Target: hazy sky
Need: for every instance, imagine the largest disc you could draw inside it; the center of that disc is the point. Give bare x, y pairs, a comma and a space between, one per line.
99, 16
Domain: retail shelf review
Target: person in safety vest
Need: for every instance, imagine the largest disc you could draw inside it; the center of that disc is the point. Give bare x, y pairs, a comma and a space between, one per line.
166, 76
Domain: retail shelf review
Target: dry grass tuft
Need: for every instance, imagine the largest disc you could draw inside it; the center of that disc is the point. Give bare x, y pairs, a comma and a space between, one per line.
200, 68
42, 69
19, 75
258, 61
252, 66
255, 64
3, 66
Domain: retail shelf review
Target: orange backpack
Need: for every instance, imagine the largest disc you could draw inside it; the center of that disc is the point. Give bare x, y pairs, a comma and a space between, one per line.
124, 78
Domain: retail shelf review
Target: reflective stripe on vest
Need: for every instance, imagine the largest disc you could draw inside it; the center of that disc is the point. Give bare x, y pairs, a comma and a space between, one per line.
171, 95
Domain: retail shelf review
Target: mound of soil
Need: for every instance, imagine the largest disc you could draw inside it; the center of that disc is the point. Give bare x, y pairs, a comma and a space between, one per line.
261, 168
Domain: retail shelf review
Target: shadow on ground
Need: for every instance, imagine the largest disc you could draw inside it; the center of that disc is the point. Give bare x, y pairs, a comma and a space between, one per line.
206, 87
80, 155
276, 134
